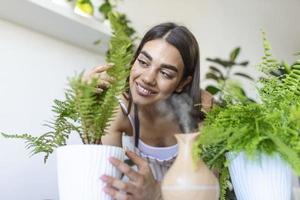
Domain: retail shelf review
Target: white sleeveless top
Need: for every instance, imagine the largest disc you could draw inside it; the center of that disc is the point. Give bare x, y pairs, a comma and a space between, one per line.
159, 158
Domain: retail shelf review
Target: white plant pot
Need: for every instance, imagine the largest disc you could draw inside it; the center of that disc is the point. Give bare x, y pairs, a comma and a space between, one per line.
79, 168
267, 178
296, 193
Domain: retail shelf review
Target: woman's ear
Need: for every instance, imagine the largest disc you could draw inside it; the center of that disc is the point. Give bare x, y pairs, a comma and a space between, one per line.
183, 83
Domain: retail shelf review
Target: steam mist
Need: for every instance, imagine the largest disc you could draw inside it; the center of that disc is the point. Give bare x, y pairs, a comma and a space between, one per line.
179, 107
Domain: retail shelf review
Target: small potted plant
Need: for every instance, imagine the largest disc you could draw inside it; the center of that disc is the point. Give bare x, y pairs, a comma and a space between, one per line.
87, 113
256, 142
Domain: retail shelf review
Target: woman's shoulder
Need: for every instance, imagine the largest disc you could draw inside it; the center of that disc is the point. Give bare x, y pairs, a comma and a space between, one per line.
207, 100
124, 102
120, 122
124, 112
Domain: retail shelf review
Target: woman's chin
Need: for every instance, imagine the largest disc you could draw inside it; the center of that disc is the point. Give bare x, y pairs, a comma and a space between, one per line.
142, 102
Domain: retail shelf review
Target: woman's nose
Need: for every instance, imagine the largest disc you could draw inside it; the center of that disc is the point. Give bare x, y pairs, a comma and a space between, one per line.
149, 77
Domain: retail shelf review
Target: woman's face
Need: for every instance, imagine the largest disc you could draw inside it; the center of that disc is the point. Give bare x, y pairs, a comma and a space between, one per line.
156, 73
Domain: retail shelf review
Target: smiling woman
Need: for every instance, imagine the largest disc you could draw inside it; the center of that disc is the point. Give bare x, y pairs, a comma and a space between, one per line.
165, 69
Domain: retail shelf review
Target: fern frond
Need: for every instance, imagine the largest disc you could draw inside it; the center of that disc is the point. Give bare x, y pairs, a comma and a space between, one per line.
292, 80
268, 63
224, 183
121, 52
61, 127
35, 143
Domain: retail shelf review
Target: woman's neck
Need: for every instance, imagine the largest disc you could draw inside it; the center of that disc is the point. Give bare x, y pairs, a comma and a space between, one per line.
148, 113
157, 126
158, 112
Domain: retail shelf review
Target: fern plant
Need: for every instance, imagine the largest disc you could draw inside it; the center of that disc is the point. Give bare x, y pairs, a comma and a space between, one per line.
84, 111
267, 127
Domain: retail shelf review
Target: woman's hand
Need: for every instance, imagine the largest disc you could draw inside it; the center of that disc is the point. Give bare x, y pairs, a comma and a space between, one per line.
99, 72
141, 185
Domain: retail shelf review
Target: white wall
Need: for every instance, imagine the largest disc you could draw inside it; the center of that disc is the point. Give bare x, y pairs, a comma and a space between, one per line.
33, 72
221, 25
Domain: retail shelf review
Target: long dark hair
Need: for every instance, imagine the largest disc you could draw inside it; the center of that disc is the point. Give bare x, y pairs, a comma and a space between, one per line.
187, 45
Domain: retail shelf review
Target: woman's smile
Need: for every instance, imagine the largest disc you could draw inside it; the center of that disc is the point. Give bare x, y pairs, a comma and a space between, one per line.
144, 91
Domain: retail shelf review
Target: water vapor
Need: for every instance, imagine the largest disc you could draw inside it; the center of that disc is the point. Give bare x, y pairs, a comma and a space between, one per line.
179, 107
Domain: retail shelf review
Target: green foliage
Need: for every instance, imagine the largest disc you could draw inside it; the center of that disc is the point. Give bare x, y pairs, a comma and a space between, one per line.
83, 110
267, 127
222, 72
105, 8
85, 6
108, 7
122, 25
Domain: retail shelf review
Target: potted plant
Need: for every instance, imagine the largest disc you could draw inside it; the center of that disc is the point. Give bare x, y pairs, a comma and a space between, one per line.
222, 72
256, 142
87, 113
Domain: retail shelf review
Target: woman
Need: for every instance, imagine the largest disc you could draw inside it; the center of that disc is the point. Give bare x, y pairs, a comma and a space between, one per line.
165, 67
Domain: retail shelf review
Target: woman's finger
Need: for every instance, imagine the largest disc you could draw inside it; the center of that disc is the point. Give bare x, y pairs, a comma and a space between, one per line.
103, 84
102, 68
126, 169
115, 194
118, 184
140, 162
99, 90
96, 72
104, 76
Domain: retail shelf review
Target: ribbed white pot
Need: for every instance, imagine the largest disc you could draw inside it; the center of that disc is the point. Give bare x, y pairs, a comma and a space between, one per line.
79, 168
296, 193
267, 178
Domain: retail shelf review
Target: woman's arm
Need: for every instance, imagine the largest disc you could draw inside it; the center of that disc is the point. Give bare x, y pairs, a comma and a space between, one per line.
120, 124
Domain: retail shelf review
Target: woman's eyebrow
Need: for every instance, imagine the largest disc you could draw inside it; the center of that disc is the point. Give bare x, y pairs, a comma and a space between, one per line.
147, 55
171, 67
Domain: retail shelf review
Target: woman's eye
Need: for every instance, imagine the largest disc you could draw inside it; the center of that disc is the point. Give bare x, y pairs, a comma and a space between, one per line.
142, 62
166, 75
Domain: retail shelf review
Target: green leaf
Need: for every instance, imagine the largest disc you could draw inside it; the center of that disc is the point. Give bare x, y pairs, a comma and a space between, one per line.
212, 89
224, 63
243, 75
244, 63
297, 53
85, 6
217, 71
286, 67
105, 8
97, 42
234, 54
212, 76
